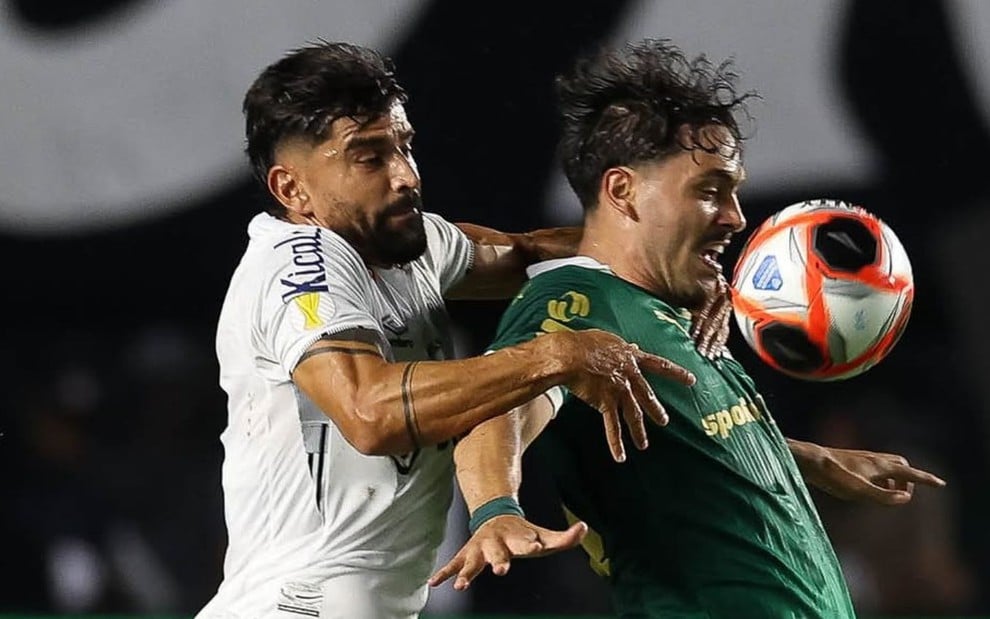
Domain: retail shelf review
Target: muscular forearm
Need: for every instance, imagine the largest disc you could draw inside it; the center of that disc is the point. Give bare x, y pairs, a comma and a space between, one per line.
551, 243
408, 405
501, 259
386, 408
489, 459
528, 247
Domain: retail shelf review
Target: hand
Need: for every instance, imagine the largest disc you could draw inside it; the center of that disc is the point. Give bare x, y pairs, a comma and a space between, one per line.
500, 540
607, 375
710, 324
550, 243
852, 474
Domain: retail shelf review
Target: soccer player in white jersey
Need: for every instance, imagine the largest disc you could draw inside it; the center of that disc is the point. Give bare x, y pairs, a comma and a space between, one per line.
334, 351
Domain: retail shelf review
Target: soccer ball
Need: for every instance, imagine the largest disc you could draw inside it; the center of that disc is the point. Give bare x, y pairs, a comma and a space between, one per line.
822, 290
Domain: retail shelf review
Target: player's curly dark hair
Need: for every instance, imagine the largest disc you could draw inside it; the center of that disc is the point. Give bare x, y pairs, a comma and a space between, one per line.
625, 106
303, 93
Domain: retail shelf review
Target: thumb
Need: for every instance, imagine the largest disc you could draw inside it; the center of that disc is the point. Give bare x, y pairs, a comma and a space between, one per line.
857, 486
556, 541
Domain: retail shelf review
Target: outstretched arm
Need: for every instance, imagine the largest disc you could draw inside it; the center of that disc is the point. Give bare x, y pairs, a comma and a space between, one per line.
392, 408
854, 474
501, 258
489, 462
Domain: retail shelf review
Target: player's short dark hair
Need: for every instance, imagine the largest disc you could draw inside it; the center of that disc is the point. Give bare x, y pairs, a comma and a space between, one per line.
310, 87
625, 106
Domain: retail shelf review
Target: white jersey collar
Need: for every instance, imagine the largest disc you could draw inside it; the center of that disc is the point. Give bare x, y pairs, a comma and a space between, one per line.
264, 224
585, 262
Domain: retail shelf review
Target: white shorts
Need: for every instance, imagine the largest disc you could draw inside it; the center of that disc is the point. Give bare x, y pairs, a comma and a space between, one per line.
350, 596
354, 595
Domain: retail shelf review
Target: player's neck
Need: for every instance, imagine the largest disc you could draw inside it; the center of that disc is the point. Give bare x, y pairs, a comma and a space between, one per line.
621, 256
363, 248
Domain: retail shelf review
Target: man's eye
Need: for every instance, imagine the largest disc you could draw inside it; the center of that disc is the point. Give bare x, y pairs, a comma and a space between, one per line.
369, 160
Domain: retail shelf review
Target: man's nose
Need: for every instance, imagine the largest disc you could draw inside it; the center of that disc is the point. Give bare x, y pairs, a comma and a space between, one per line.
404, 174
731, 215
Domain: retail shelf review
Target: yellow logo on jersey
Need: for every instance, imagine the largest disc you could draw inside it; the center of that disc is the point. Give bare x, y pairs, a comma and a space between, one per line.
308, 304
723, 421
564, 309
568, 306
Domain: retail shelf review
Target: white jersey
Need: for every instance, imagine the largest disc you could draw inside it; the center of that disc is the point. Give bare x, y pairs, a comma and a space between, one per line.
315, 528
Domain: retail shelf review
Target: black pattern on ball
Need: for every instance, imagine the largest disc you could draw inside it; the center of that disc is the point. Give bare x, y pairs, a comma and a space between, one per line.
845, 244
790, 348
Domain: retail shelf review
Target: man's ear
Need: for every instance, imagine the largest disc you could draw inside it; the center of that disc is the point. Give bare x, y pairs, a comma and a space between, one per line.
284, 183
618, 191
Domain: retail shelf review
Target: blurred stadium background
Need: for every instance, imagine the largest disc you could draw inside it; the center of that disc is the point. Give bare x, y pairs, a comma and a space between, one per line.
124, 197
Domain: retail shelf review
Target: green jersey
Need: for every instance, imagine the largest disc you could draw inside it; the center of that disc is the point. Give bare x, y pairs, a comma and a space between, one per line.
713, 520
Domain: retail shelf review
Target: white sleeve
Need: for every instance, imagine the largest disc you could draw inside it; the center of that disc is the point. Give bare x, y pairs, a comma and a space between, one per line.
318, 287
556, 397
449, 252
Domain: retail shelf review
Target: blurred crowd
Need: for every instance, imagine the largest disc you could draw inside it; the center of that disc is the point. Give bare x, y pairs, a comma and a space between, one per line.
113, 465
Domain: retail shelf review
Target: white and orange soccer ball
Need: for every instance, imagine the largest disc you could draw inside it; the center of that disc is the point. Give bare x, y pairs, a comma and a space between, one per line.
822, 290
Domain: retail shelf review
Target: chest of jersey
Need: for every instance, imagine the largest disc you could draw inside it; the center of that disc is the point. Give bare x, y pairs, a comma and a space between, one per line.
411, 314
721, 414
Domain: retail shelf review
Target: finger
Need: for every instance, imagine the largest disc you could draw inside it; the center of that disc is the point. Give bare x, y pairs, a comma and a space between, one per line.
858, 486
708, 336
908, 473
700, 319
723, 336
711, 318
699, 338
613, 433
715, 337
647, 400
473, 564
453, 566
703, 319
556, 541
633, 415
886, 496
523, 545
496, 555
896, 497
663, 367
725, 313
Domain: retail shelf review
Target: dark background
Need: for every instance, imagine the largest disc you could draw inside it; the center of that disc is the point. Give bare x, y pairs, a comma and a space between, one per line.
111, 412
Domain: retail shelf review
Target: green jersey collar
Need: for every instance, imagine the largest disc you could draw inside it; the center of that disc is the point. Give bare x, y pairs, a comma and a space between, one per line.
586, 262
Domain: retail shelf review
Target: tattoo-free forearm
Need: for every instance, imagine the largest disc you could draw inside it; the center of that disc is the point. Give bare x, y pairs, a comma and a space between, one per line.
501, 259
489, 458
808, 457
550, 243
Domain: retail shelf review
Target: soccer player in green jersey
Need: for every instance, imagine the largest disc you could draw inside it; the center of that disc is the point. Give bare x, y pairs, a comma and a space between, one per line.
714, 519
